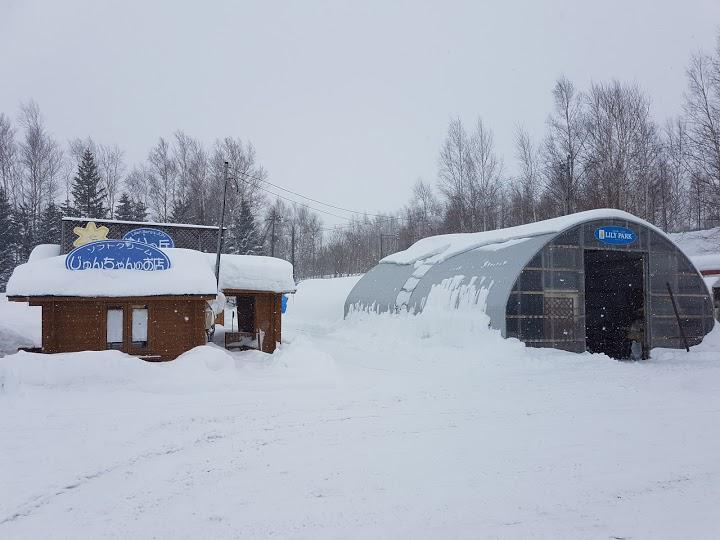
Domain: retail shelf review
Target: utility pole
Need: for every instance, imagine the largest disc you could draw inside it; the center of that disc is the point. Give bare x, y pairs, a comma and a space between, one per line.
292, 248
274, 217
220, 232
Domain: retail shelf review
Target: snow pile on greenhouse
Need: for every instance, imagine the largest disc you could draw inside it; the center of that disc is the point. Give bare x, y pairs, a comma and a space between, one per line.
435, 249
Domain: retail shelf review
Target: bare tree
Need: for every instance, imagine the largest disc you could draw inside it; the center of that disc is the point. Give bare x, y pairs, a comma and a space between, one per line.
9, 168
111, 165
620, 146
246, 178
422, 215
672, 189
702, 113
162, 172
527, 186
484, 179
136, 183
564, 146
40, 158
454, 176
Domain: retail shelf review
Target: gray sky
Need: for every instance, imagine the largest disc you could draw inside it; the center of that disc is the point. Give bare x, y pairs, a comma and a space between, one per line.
347, 103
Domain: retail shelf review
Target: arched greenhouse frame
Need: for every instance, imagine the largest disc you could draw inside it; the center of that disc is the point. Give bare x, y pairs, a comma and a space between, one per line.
581, 282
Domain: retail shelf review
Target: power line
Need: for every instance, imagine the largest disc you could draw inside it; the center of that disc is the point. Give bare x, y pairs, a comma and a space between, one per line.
296, 202
351, 220
259, 179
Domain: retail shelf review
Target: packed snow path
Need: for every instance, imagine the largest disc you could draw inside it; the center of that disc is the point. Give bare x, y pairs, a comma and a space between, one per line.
377, 427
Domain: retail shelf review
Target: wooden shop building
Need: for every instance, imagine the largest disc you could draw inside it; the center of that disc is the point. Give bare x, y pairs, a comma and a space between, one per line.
150, 302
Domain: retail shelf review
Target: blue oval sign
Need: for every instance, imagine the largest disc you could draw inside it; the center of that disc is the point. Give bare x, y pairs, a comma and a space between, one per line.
618, 236
153, 237
117, 255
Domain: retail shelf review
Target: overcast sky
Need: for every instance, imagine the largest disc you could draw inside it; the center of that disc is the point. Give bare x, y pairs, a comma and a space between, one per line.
345, 102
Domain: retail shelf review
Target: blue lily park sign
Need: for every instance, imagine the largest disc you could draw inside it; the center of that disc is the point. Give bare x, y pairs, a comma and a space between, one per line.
117, 255
153, 237
614, 235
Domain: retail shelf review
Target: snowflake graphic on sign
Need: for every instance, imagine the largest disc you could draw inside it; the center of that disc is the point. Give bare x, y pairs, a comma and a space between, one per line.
90, 233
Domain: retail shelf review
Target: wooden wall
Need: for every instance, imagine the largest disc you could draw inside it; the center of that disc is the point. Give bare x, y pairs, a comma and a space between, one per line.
175, 324
267, 317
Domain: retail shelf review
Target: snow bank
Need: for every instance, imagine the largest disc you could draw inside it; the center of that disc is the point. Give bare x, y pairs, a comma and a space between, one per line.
11, 340
457, 320
198, 369
189, 274
254, 273
320, 301
207, 368
70, 370
20, 325
440, 248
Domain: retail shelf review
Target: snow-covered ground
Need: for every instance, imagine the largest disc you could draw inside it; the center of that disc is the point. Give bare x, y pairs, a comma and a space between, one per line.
373, 427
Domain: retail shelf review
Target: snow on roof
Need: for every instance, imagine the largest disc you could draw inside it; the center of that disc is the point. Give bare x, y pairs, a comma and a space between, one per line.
710, 261
435, 249
43, 251
189, 274
254, 273
698, 242
141, 223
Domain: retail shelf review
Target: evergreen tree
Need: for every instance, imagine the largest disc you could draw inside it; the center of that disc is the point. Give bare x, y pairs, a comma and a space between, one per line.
139, 211
181, 211
8, 240
125, 209
244, 237
67, 209
50, 224
24, 233
88, 194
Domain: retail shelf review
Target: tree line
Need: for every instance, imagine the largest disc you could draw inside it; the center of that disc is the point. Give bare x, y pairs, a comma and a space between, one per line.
602, 147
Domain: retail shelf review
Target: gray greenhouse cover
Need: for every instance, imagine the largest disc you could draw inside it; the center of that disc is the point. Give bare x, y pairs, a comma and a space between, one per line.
489, 261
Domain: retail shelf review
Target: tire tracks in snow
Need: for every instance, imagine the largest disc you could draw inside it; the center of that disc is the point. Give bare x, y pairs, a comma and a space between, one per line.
37, 502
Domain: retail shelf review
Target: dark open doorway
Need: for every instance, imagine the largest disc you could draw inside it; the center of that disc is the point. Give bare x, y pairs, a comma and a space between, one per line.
615, 303
246, 313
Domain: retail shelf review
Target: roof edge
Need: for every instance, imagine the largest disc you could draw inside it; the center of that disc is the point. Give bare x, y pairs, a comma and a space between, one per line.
525, 231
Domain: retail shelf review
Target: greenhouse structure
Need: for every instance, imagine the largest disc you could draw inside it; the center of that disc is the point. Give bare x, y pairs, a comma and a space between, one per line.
593, 281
